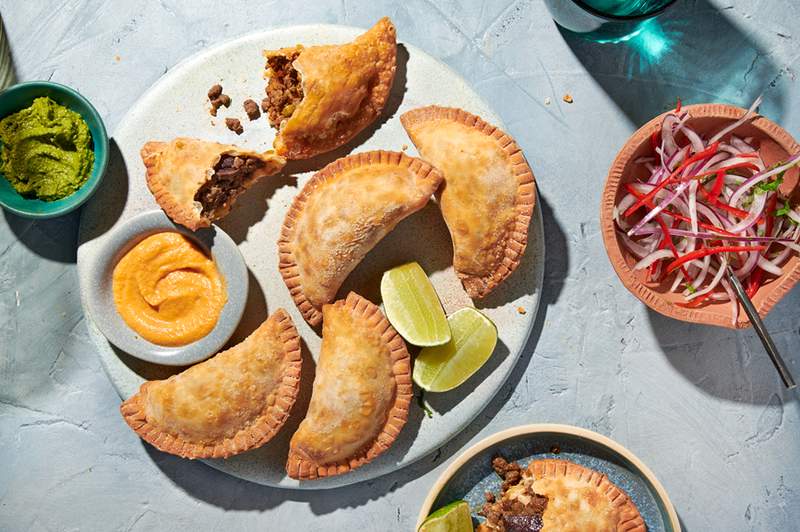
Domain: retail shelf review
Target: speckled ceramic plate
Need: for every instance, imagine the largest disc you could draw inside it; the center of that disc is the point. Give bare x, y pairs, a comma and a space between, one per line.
100, 297
471, 474
177, 105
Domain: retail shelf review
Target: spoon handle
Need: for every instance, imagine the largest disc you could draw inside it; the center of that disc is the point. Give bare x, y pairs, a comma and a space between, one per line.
758, 325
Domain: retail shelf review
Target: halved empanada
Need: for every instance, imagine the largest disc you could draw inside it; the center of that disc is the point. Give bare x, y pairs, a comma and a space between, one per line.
228, 404
341, 213
322, 96
196, 182
558, 495
488, 195
362, 390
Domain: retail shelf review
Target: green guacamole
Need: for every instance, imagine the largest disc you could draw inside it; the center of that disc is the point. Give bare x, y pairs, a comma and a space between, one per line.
47, 150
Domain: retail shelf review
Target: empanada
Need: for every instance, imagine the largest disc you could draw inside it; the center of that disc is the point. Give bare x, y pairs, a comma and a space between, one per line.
196, 182
231, 403
341, 213
361, 394
320, 97
488, 193
560, 495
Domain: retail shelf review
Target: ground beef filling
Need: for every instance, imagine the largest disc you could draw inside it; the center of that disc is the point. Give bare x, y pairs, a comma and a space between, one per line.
511, 515
231, 174
284, 90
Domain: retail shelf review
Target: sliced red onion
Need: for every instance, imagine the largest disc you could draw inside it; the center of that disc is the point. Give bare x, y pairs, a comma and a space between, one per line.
694, 138
718, 236
668, 126
701, 275
736, 124
677, 282
768, 266
660, 207
756, 210
714, 281
761, 176
633, 247
741, 145
651, 258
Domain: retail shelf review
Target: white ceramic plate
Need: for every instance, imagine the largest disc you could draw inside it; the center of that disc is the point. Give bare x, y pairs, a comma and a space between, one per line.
177, 105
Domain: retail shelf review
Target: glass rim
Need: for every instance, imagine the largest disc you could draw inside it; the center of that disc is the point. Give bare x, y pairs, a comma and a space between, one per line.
597, 13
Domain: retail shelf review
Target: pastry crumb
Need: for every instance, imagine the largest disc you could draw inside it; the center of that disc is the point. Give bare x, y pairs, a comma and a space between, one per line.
568, 98
117, 58
522, 310
404, 147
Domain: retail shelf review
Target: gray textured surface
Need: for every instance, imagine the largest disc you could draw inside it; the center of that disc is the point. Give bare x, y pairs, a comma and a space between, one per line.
701, 406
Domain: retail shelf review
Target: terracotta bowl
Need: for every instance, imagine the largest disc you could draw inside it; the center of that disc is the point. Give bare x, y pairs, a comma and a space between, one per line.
705, 119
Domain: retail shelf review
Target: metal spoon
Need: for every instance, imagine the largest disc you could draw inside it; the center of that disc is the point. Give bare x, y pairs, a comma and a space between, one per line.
758, 325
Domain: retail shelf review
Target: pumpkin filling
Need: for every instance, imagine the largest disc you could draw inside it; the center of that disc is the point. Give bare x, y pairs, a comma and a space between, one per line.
231, 176
285, 89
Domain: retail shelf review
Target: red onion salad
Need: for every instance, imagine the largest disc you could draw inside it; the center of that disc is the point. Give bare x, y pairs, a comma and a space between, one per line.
706, 203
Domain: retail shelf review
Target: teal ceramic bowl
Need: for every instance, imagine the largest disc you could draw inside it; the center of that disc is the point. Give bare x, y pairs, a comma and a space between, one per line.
21, 96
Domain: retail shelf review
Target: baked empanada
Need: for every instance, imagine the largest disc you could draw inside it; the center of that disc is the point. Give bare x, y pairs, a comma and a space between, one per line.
320, 97
362, 390
196, 182
488, 194
341, 213
559, 495
231, 403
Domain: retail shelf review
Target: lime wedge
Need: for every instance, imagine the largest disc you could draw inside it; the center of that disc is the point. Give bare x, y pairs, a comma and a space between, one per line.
443, 367
454, 517
413, 307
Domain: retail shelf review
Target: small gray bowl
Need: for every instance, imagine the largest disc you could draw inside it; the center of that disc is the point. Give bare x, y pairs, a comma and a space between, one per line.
213, 241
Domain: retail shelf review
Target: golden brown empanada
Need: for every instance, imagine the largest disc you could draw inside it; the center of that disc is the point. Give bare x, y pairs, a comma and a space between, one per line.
560, 495
322, 96
579, 498
488, 195
228, 404
196, 182
341, 213
361, 392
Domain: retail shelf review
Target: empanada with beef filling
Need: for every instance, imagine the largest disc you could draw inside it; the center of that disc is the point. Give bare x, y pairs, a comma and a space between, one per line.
320, 97
197, 182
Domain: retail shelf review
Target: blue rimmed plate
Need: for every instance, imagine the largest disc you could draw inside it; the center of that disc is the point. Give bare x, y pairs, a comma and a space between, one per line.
471, 475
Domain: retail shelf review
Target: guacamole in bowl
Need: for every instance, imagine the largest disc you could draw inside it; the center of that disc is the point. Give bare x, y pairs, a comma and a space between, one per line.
53, 149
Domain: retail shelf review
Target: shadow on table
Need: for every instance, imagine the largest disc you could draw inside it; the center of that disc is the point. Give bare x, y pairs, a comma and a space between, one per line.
225, 491
730, 364
52, 239
693, 51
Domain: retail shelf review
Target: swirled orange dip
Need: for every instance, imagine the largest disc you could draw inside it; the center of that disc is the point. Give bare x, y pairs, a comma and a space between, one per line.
168, 291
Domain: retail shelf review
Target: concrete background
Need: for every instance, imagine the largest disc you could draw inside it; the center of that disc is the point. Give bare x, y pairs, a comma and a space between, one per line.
701, 406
